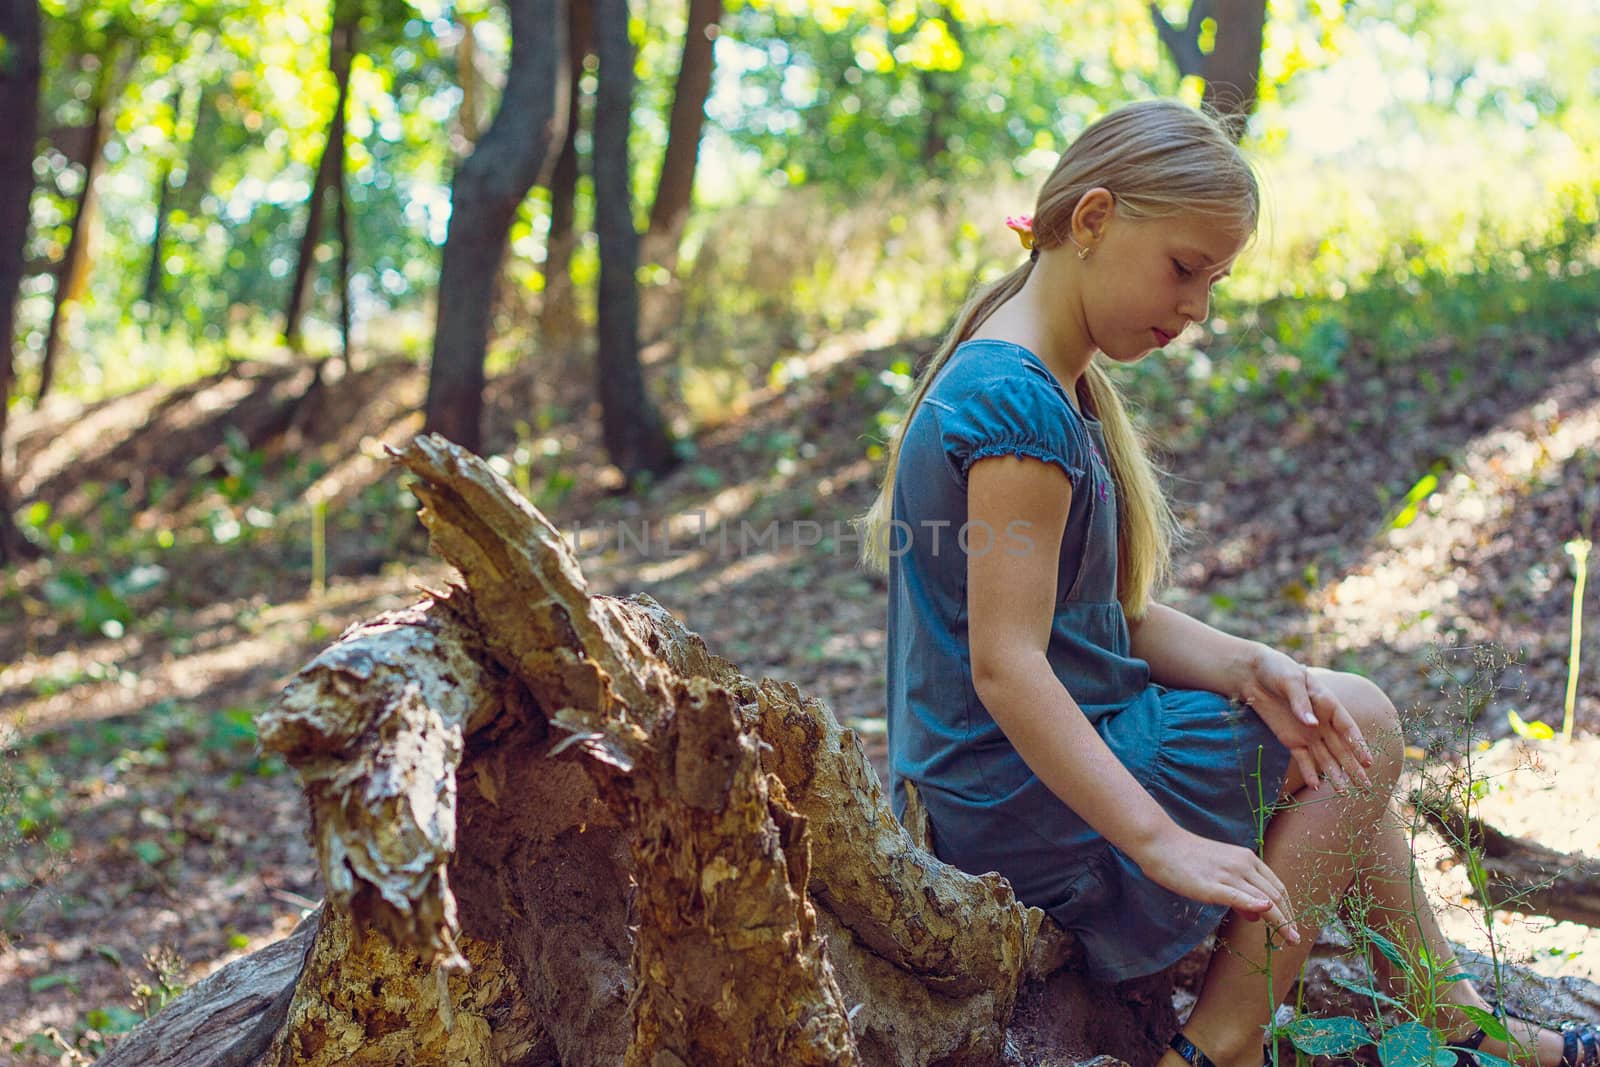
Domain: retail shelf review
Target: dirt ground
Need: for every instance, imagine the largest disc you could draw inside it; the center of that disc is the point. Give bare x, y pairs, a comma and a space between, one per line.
146, 841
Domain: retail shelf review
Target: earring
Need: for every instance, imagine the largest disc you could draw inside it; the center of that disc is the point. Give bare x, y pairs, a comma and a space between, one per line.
1084, 250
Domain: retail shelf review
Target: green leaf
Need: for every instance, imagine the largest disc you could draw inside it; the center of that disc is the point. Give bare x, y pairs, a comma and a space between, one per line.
1485, 1059
1486, 1020
1413, 1045
51, 981
1537, 731
149, 851
1366, 990
1387, 947
1327, 1037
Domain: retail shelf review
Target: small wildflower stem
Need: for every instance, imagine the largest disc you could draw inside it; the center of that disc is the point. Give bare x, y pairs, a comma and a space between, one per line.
319, 548
1579, 551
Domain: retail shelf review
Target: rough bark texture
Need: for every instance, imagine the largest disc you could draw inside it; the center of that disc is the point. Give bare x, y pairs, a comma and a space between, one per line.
507, 161
19, 99
555, 829
228, 1018
635, 437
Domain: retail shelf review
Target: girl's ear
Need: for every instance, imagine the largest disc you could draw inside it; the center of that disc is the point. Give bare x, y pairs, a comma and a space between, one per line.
1089, 219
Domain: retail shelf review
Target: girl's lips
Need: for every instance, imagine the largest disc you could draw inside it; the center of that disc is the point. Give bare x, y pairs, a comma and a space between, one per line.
1162, 338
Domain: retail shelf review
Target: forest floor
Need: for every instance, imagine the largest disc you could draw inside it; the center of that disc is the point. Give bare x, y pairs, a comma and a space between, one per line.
145, 841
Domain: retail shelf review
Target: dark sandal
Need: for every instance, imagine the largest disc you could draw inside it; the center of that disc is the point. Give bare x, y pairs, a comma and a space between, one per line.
1191, 1052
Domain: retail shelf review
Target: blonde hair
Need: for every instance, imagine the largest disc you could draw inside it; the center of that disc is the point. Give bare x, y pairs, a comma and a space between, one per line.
1158, 158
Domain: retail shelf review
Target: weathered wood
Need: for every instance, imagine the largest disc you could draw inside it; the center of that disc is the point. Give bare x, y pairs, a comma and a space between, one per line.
228, 1018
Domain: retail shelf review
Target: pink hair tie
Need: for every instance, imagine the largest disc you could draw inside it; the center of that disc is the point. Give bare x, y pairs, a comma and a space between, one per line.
1022, 225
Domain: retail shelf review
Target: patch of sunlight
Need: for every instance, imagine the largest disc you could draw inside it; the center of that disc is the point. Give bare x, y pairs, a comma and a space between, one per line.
744, 569
1401, 596
369, 464
82, 440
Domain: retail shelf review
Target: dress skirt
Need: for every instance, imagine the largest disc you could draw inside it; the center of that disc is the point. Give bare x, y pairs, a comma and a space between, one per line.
1211, 764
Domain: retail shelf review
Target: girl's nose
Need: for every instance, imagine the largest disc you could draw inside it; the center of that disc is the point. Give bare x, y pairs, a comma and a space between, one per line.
1195, 308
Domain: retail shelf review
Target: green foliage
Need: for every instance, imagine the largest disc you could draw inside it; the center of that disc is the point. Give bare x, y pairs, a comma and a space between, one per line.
1327, 1037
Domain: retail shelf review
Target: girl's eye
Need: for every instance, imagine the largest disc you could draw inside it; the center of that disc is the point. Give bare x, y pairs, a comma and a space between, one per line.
1183, 272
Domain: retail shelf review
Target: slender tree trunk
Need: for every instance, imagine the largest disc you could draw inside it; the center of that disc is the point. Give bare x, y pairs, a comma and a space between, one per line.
1232, 68
341, 56
631, 426
467, 76
939, 89
341, 190
558, 318
676, 187
154, 271
74, 264
19, 101
491, 183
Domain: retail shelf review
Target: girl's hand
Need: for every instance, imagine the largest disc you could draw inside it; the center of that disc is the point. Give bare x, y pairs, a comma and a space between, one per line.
1322, 738
1215, 872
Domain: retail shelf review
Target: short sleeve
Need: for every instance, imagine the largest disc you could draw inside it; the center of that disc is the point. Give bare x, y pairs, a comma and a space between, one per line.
1014, 415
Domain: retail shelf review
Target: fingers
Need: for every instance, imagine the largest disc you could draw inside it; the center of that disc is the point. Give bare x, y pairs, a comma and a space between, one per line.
1342, 739
1300, 698
1308, 767
1332, 765
1270, 902
1347, 728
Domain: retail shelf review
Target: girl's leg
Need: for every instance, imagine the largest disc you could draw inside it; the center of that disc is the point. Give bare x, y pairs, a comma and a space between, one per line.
1311, 846
1315, 846
1391, 900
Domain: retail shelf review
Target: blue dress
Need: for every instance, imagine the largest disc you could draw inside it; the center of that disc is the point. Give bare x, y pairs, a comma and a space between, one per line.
1213, 766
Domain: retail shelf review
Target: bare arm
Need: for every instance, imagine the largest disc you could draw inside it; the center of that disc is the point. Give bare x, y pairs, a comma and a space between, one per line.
1185, 653
1011, 597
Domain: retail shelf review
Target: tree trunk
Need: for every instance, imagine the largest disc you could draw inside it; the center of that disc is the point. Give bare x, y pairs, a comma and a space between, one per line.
19, 99
74, 264
556, 830
1231, 68
341, 190
330, 169
558, 318
676, 187
634, 436
491, 183
939, 93
467, 76
155, 268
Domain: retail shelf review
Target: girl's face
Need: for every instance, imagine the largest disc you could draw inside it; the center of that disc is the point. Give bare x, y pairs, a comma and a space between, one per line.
1148, 279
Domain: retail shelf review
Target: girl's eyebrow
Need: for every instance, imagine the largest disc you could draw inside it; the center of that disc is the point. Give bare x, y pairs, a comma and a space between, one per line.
1189, 250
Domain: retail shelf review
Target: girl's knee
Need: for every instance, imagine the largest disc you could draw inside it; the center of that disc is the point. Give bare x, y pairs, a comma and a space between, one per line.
1374, 713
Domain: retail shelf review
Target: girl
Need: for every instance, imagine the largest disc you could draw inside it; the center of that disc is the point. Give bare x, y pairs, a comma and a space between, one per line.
1113, 758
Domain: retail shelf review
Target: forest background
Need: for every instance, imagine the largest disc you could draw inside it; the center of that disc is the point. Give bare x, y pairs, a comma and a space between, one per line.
235, 282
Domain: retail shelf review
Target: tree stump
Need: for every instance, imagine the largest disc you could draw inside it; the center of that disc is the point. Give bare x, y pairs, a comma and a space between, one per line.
555, 829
